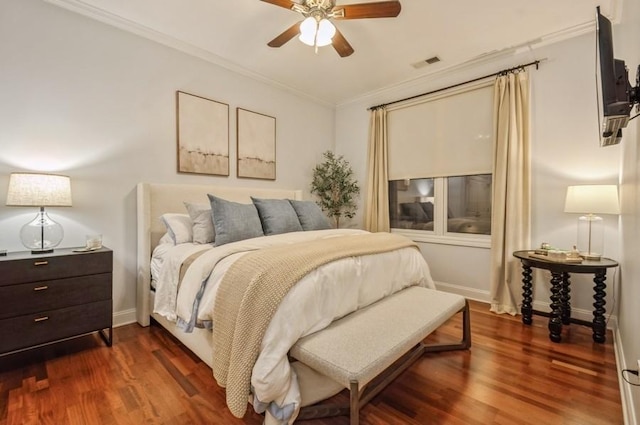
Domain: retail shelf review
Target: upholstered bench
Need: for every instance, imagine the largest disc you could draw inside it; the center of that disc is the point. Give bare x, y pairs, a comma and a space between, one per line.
366, 350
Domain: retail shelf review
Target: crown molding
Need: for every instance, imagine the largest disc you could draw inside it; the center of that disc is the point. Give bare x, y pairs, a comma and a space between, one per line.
83, 8
487, 58
106, 17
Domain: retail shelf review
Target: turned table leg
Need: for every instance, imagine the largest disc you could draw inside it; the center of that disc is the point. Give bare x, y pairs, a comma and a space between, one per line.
599, 324
555, 319
526, 308
565, 298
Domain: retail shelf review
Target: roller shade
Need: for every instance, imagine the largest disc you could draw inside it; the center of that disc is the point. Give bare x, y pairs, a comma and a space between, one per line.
445, 135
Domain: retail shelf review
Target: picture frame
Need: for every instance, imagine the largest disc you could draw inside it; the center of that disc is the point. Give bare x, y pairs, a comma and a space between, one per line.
202, 135
256, 145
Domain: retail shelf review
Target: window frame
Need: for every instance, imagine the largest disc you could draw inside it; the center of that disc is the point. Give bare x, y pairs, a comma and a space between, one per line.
439, 234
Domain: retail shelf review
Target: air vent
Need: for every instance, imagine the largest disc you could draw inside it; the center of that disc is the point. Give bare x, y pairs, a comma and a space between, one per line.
425, 62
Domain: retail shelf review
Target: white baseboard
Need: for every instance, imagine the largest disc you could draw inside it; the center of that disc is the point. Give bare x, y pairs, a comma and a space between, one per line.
626, 391
469, 293
484, 296
121, 318
578, 313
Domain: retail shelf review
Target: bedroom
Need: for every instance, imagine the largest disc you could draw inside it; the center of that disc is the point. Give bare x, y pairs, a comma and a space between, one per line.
101, 107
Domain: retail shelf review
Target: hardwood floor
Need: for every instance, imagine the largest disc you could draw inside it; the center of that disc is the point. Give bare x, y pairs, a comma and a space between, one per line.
513, 374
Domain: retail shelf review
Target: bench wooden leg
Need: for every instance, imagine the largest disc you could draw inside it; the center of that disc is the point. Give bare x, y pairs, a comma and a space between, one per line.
354, 403
464, 343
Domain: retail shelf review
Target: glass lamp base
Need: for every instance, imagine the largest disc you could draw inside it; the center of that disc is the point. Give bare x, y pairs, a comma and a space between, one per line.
590, 237
41, 234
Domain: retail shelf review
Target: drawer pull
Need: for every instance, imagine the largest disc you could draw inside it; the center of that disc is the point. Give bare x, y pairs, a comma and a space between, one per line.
41, 319
40, 263
40, 288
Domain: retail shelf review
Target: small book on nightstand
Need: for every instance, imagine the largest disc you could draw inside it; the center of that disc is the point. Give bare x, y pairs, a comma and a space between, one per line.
559, 259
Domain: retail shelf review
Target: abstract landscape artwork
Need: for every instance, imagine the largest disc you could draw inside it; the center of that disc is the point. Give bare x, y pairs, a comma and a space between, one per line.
256, 145
203, 135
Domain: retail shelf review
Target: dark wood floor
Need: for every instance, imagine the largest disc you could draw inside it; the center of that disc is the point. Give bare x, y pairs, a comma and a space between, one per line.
513, 374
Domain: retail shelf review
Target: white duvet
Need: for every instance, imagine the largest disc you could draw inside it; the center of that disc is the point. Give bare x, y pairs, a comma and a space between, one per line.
325, 294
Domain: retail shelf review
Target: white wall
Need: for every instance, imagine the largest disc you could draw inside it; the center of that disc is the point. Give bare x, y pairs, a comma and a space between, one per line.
627, 47
565, 151
98, 104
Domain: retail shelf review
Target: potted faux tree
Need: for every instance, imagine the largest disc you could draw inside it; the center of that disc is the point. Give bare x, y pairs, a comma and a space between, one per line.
334, 185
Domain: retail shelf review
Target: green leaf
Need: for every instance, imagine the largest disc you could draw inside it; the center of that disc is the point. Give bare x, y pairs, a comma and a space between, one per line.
334, 185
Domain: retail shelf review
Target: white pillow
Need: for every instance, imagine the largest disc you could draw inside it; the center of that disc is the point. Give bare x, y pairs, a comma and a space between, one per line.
179, 227
166, 239
202, 222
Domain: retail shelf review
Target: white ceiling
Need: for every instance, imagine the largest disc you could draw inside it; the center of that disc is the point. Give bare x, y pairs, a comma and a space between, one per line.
235, 33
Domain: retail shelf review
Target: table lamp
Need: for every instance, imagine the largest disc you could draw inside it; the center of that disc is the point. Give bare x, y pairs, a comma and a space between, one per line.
41, 234
591, 200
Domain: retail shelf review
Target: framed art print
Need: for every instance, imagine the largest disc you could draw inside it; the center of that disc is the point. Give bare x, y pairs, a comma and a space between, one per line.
256, 135
203, 135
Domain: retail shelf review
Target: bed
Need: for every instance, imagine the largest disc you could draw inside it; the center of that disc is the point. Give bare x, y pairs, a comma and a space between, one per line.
334, 287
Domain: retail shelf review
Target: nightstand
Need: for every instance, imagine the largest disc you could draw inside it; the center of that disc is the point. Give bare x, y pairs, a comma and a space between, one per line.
46, 298
561, 292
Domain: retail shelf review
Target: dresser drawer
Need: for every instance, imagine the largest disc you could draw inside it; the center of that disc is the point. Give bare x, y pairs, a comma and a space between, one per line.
38, 268
53, 294
47, 326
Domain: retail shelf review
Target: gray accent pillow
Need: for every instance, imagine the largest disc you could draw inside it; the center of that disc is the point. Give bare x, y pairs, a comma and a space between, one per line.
277, 216
310, 215
233, 221
200, 214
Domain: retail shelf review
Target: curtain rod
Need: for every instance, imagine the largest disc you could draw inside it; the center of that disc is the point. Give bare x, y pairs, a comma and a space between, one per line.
504, 71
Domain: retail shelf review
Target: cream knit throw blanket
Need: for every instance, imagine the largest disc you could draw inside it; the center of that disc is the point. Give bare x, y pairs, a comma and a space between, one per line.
252, 290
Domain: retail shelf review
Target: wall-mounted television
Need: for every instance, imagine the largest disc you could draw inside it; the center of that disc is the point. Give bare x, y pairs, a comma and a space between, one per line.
616, 96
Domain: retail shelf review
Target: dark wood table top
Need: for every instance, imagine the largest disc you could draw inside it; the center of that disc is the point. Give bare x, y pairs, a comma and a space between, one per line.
586, 266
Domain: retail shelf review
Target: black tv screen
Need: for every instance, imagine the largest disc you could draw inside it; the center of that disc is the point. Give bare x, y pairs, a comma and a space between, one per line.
613, 85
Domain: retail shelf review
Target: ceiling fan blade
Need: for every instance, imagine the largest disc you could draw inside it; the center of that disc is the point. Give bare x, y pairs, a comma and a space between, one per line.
287, 4
341, 45
380, 9
287, 35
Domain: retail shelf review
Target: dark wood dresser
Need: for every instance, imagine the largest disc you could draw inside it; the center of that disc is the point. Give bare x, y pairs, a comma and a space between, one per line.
46, 298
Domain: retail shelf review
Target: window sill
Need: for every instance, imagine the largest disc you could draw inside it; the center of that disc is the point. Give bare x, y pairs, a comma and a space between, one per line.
475, 241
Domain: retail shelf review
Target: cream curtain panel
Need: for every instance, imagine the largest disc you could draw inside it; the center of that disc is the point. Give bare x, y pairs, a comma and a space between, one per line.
511, 221
376, 217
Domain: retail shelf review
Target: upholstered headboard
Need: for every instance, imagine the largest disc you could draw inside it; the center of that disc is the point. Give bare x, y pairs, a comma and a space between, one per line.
153, 200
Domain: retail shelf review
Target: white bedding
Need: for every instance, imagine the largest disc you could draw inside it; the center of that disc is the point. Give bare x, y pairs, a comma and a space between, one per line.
322, 296
158, 255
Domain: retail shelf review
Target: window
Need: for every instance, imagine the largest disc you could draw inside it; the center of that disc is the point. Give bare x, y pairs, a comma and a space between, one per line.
411, 204
469, 204
440, 160
420, 204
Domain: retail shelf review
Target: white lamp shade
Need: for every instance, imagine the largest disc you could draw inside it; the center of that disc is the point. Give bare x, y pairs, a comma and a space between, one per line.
592, 199
39, 190
308, 29
326, 31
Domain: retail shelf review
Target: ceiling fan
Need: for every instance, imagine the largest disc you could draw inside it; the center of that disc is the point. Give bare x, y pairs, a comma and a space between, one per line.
317, 30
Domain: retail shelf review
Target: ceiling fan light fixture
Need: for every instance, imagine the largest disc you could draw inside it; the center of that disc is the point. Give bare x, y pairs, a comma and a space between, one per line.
326, 31
308, 30
316, 30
